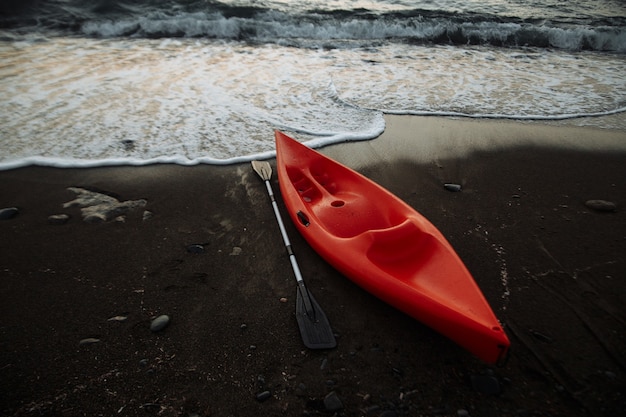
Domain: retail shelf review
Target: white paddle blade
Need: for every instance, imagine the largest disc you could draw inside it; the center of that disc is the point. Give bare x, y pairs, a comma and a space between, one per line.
263, 168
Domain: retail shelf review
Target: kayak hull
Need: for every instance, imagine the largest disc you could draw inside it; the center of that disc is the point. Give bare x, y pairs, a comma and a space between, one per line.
386, 247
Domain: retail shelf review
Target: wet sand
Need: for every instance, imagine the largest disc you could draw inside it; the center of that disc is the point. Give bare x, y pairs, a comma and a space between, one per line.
551, 268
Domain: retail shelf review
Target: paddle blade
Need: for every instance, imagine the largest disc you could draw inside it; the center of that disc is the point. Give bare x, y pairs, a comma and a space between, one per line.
263, 168
315, 331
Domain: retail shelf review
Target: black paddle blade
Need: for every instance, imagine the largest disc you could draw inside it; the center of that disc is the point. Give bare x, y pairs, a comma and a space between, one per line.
315, 331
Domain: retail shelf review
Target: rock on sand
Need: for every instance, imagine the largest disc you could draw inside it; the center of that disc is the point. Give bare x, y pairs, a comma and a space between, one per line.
98, 207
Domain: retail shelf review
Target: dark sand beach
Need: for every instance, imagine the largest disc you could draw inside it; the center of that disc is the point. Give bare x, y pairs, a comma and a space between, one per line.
553, 270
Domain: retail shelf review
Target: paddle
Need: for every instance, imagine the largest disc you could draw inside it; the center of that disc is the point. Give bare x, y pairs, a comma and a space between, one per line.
314, 326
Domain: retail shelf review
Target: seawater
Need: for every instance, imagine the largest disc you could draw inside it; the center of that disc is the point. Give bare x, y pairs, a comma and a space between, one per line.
92, 102
145, 82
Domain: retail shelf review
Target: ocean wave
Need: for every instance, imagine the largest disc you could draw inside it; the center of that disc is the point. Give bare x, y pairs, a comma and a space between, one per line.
315, 31
337, 28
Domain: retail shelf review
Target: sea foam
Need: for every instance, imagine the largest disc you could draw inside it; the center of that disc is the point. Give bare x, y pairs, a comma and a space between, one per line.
89, 102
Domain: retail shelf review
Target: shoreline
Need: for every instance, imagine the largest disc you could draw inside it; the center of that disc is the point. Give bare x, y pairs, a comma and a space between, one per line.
442, 137
434, 136
551, 268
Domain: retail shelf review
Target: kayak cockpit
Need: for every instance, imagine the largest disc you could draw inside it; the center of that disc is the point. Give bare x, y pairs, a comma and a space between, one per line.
401, 245
343, 213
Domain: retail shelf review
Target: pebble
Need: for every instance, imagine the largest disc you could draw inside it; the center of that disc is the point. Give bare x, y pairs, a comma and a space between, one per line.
486, 384
195, 248
88, 341
150, 406
118, 318
300, 390
372, 409
8, 213
462, 413
160, 323
128, 144
601, 205
236, 251
58, 219
332, 402
262, 396
147, 215
452, 187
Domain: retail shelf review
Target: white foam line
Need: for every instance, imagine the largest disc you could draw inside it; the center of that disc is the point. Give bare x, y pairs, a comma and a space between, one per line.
506, 116
83, 163
184, 161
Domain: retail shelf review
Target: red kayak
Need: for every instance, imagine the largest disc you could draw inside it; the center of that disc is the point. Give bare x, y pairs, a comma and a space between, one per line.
386, 247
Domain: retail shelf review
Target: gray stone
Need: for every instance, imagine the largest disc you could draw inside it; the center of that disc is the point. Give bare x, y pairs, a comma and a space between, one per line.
373, 409
300, 390
601, 205
486, 384
332, 402
128, 144
89, 341
98, 207
195, 248
160, 323
452, 187
8, 213
58, 219
262, 396
147, 215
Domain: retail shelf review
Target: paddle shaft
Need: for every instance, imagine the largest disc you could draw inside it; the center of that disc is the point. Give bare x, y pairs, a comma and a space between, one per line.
292, 257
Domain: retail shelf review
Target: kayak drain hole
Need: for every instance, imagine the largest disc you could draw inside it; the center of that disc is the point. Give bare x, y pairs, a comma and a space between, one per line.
337, 203
496, 329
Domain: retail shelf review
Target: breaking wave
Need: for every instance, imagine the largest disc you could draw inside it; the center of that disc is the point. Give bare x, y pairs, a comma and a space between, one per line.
316, 28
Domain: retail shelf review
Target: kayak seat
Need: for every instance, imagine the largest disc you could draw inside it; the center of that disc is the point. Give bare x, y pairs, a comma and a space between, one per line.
343, 213
346, 214
409, 254
402, 249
